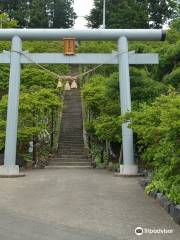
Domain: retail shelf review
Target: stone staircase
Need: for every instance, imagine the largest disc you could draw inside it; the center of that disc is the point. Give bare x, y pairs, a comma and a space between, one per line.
71, 151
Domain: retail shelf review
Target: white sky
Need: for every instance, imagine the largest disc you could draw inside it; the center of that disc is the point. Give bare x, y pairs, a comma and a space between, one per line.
82, 8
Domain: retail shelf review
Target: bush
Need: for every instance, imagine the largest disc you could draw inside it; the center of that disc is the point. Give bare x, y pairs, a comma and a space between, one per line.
158, 129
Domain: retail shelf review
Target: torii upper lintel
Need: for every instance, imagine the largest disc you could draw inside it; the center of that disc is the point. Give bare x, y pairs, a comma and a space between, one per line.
85, 34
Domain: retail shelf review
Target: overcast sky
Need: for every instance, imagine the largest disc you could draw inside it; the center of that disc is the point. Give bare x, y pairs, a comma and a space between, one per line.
82, 8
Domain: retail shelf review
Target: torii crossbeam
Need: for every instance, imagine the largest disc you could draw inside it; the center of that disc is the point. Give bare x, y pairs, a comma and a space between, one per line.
123, 58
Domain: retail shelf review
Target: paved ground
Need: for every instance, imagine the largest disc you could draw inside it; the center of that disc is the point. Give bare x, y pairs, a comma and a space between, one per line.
75, 204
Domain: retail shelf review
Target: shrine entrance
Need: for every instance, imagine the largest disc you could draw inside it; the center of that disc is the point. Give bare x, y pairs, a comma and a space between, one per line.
123, 58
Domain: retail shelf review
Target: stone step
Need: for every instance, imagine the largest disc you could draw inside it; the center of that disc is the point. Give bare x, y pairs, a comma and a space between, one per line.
70, 125
71, 129
72, 110
69, 164
71, 148
77, 130
73, 139
70, 157
75, 142
67, 160
72, 142
72, 114
69, 121
68, 167
71, 106
73, 152
70, 117
70, 160
71, 136
72, 102
71, 133
66, 115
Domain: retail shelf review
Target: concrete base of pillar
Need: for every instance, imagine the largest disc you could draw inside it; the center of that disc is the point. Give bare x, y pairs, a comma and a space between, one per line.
10, 171
128, 171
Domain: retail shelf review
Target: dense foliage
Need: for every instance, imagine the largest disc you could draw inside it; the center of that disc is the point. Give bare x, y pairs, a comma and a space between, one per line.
6, 22
133, 13
40, 104
40, 13
158, 129
155, 116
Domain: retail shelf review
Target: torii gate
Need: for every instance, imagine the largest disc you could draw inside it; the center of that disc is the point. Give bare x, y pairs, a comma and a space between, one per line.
123, 58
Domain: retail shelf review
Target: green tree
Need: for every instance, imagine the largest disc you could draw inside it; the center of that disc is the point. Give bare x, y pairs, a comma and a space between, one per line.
38, 14
133, 13
35, 110
119, 14
63, 14
6, 22
16, 9
101, 97
173, 79
161, 11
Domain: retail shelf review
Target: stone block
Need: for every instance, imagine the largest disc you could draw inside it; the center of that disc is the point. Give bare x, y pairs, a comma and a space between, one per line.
159, 197
167, 205
171, 209
153, 193
176, 215
144, 182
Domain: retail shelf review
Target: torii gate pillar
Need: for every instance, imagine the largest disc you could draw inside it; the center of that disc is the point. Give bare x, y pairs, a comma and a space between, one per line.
128, 167
10, 168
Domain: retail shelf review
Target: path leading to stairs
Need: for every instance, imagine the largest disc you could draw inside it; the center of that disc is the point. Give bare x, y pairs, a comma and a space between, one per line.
78, 204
